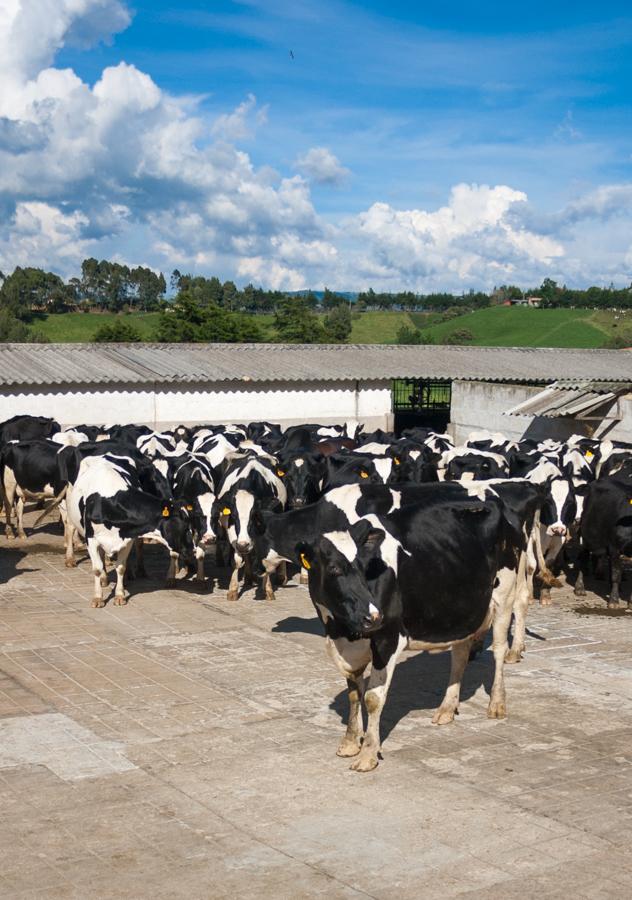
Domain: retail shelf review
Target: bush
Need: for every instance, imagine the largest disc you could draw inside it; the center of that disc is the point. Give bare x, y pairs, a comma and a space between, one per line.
119, 331
407, 335
460, 336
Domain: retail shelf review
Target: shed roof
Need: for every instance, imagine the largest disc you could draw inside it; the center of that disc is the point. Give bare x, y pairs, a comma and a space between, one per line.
570, 400
144, 364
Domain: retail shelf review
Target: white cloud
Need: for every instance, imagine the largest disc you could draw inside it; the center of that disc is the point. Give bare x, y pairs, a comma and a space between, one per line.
321, 166
122, 167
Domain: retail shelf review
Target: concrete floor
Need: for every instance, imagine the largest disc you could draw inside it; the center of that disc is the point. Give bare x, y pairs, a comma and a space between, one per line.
185, 747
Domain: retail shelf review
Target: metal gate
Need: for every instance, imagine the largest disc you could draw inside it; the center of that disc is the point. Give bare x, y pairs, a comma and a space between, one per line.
417, 401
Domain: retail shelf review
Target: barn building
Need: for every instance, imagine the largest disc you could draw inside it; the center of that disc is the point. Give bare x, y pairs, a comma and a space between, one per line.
515, 390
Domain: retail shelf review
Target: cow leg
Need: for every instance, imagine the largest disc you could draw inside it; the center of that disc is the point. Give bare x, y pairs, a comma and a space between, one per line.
121, 564
9, 500
304, 579
219, 554
616, 571
199, 561
19, 515
69, 544
521, 605
497, 708
583, 561
172, 570
450, 704
98, 569
385, 654
233, 587
282, 570
351, 658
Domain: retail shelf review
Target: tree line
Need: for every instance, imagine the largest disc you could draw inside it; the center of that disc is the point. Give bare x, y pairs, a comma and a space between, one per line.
203, 308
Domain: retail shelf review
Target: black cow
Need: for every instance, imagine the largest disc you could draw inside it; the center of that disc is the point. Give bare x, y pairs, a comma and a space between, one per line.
430, 577
606, 531
28, 471
27, 428
478, 464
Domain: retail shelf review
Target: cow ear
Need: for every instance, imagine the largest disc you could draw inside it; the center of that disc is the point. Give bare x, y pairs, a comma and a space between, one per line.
581, 488
364, 532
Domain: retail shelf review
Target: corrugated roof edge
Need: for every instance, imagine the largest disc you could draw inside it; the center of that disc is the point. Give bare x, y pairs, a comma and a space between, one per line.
124, 364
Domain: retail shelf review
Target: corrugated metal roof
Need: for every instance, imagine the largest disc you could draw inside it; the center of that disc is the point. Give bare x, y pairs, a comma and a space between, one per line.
563, 399
62, 364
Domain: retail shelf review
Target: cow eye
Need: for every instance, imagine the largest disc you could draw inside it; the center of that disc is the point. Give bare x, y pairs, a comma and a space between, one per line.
336, 571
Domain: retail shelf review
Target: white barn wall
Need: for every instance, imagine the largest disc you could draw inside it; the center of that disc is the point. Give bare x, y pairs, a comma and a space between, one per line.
288, 403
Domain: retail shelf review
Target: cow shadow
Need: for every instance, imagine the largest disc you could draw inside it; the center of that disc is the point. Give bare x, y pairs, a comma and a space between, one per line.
419, 683
296, 625
10, 559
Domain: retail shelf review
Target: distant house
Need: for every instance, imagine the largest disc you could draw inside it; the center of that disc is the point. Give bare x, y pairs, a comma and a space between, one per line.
523, 301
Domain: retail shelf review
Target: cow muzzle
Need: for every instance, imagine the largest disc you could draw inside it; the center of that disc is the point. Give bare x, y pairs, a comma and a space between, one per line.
558, 530
208, 539
243, 546
372, 620
297, 503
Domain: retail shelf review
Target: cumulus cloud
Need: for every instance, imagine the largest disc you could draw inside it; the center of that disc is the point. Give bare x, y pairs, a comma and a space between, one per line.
321, 166
122, 164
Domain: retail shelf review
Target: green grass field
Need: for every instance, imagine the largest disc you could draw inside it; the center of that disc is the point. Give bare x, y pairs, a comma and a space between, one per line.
497, 326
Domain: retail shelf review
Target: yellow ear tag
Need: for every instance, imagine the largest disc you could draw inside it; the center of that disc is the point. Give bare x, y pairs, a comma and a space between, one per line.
364, 474
280, 473
396, 460
630, 502
165, 512
307, 565
226, 511
189, 507
589, 455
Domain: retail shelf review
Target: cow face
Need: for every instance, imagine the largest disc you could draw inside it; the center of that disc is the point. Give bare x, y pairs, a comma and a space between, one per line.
560, 509
414, 466
238, 514
175, 528
337, 579
302, 476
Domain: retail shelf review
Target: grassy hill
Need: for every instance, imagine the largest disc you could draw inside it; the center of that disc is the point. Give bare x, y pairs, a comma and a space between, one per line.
497, 326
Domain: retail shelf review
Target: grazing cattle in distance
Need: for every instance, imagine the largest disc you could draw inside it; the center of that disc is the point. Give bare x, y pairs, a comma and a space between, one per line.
27, 428
429, 577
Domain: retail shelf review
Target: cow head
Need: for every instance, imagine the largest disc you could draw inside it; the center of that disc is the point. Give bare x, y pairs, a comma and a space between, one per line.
337, 567
175, 528
478, 466
239, 514
560, 509
302, 475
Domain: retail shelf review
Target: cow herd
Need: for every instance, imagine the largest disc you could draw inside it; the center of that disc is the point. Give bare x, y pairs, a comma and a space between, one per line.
405, 542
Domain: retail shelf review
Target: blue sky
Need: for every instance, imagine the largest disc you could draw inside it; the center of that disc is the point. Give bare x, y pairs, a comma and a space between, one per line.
360, 140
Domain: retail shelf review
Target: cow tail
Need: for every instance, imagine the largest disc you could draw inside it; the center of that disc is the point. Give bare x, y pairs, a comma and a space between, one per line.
51, 506
544, 575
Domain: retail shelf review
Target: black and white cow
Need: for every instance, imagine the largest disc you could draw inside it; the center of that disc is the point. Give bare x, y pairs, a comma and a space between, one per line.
352, 468
28, 471
303, 476
192, 481
429, 577
109, 511
466, 462
249, 486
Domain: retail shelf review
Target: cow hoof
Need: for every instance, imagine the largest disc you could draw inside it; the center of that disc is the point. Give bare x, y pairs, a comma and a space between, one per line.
71, 564
497, 710
513, 656
580, 593
443, 716
10, 536
545, 601
365, 763
21, 535
304, 579
98, 603
232, 596
171, 583
270, 596
120, 601
613, 604
349, 747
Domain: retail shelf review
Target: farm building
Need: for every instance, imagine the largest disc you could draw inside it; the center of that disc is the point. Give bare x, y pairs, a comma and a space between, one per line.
515, 390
